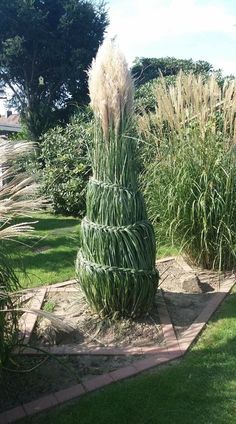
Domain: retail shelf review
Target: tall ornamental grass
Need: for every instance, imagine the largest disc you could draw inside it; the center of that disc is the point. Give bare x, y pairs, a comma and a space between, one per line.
16, 192
116, 263
191, 137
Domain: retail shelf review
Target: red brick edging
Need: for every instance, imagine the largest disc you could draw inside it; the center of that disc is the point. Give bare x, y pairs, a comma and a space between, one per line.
174, 349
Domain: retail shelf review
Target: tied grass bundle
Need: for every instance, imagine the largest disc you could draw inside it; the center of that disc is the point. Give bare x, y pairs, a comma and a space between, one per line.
116, 262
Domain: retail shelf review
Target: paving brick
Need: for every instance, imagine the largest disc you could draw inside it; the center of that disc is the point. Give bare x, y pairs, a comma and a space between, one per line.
168, 333
186, 267
15, 414
62, 289
98, 382
41, 404
167, 327
166, 259
145, 364
131, 350
175, 354
70, 393
28, 320
189, 336
174, 348
124, 372
210, 308
151, 350
228, 284
185, 344
63, 284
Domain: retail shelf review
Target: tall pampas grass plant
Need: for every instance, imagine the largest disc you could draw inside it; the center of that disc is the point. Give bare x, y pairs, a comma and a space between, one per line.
116, 263
192, 137
16, 192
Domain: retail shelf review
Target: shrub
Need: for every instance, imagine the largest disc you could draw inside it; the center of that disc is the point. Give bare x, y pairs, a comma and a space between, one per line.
145, 98
194, 169
66, 166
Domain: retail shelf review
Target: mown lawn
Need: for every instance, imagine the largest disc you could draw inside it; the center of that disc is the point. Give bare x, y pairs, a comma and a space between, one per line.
200, 389
48, 256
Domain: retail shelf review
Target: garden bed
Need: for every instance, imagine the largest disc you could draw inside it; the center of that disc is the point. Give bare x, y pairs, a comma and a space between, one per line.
186, 291
29, 377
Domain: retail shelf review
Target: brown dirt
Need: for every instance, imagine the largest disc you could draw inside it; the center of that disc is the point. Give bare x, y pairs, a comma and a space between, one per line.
88, 329
17, 385
184, 307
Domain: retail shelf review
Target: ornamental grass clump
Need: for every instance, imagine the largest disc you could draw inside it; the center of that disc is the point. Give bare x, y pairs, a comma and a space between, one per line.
192, 136
16, 190
116, 262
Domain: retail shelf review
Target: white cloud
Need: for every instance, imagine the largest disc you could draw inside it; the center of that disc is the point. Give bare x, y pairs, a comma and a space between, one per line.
228, 66
139, 23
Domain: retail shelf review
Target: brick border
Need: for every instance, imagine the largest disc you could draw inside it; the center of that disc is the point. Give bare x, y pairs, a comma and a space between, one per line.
74, 349
170, 340
56, 398
28, 320
174, 349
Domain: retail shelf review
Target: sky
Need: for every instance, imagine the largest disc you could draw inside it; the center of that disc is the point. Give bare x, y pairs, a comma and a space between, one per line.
197, 29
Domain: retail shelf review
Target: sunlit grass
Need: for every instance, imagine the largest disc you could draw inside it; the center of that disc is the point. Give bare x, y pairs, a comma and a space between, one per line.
49, 255
200, 389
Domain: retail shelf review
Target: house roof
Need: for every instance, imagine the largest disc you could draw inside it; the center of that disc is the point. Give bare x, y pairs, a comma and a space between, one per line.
10, 123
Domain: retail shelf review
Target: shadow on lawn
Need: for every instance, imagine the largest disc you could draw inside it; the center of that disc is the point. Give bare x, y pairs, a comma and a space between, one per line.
46, 261
45, 223
42, 246
48, 224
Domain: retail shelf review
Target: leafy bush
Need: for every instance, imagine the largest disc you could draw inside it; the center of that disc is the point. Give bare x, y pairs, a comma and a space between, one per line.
145, 98
66, 166
191, 183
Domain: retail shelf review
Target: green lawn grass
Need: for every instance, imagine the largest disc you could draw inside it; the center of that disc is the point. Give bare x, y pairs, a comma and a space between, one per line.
48, 256
200, 389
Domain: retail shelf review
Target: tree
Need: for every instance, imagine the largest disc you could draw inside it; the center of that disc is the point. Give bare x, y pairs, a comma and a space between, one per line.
55, 40
146, 69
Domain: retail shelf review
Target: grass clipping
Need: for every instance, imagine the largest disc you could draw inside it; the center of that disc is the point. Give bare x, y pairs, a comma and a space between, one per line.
116, 262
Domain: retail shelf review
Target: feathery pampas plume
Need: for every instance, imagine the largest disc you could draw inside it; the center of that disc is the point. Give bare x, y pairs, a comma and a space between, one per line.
110, 87
16, 190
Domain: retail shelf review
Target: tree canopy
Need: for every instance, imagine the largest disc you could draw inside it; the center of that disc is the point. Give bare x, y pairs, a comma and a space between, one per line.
146, 69
55, 40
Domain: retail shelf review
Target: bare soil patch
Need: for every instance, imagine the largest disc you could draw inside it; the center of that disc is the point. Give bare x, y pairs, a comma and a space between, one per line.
183, 305
88, 330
